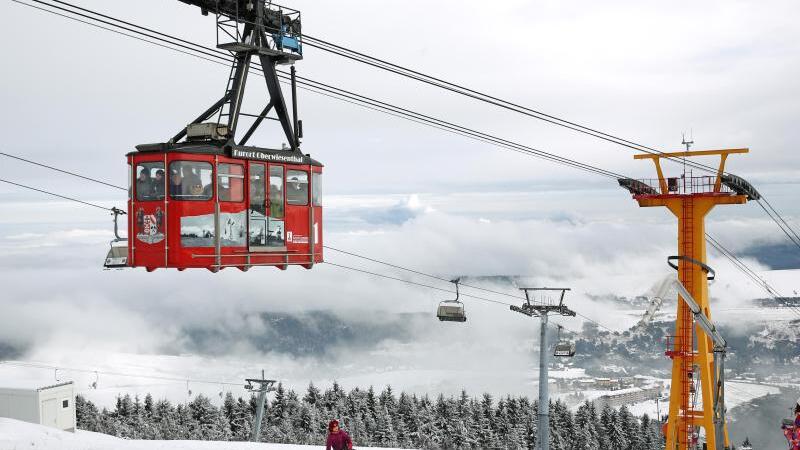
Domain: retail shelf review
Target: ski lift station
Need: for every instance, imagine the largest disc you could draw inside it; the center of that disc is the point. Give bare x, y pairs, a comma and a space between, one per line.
52, 406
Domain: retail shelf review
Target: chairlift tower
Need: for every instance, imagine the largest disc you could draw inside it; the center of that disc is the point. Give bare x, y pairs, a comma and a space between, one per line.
690, 199
263, 387
543, 310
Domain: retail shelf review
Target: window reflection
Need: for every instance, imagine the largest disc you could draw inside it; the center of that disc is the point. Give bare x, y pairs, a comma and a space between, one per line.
258, 195
150, 181
230, 182
316, 189
276, 192
190, 180
297, 187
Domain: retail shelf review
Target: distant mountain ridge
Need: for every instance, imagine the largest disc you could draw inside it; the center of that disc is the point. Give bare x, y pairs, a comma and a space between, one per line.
313, 333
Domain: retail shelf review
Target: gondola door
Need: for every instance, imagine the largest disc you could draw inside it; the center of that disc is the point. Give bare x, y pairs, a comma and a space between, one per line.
266, 210
257, 210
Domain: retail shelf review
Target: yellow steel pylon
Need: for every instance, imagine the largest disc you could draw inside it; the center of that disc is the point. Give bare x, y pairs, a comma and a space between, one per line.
690, 199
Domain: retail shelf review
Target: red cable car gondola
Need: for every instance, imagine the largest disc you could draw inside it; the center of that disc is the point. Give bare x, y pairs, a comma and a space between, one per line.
210, 201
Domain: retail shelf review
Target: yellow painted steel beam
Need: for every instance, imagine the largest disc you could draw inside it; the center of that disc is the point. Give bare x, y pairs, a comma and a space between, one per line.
690, 154
667, 200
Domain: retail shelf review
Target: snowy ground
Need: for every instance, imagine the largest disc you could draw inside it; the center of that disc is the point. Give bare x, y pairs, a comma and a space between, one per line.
16, 435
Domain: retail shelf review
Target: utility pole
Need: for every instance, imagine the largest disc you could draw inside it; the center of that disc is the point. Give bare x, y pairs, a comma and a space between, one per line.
543, 310
263, 387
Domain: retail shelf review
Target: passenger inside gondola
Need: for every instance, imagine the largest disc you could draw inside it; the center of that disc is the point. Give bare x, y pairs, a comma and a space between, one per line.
175, 183
158, 185
192, 185
190, 181
144, 185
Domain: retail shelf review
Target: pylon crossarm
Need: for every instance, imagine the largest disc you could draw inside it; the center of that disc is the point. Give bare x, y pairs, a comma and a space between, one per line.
719, 179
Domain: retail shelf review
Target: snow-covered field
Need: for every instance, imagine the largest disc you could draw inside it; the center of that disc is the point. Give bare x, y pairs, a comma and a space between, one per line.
16, 435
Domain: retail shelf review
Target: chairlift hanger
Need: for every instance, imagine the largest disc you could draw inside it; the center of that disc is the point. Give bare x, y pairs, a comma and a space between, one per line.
452, 310
564, 348
117, 257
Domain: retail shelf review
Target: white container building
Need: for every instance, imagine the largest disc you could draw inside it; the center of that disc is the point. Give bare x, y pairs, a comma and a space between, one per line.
52, 406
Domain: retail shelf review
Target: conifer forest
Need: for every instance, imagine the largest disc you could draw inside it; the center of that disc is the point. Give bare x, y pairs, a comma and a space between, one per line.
374, 419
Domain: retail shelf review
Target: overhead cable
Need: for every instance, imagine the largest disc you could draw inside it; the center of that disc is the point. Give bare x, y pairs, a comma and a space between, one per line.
355, 97
36, 365
56, 195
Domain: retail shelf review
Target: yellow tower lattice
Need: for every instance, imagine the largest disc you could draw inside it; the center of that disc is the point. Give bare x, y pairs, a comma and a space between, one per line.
690, 199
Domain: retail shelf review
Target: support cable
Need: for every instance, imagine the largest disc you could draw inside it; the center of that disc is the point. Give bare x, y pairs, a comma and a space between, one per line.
327, 263
777, 218
480, 96
56, 195
35, 365
725, 252
220, 55
306, 82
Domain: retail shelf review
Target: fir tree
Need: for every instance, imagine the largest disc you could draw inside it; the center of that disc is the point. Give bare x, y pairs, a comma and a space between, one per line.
242, 420
312, 395
86, 414
148, 405
407, 417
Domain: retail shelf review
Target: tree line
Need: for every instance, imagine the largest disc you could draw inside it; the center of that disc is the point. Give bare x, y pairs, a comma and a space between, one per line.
377, 419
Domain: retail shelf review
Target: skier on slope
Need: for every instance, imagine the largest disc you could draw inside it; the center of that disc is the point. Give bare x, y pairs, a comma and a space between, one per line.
337, 439
791, 428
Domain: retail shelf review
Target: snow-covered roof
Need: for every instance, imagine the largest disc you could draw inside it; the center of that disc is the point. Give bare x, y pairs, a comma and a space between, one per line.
30, 385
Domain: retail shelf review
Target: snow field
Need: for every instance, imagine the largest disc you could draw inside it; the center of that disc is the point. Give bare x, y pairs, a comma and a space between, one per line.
16, 435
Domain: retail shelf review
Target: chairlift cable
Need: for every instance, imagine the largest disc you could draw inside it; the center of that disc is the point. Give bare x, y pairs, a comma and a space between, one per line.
415, 283
737, 263
477, 95
319, 85
460, 89
777, 218
219, 54
797, 237
794, 240
35, 365
435, 277
750, 273
462, 284
328, 263
62, 171
301, 80
196, 45
56, 195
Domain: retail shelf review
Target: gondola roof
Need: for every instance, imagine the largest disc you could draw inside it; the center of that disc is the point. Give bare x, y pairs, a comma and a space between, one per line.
230, 150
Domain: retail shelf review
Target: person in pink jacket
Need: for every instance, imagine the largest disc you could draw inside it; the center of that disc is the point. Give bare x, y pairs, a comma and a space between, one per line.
337, 439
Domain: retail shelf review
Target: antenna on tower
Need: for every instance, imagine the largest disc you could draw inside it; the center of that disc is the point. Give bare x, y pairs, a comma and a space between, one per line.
688, 145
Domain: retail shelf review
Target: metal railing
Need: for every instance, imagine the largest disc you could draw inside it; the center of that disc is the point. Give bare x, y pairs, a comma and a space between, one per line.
282, 25
679, 186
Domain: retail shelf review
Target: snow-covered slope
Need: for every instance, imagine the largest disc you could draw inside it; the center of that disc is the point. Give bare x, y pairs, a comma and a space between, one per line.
15, 435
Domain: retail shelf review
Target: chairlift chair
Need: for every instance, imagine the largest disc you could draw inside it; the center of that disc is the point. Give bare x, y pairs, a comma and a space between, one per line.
117, 257
564, 348
452, 310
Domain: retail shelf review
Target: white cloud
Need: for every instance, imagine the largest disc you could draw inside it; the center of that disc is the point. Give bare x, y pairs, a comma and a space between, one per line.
404, 193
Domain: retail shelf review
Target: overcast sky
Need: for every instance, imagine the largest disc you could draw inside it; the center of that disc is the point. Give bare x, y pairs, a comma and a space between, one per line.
80, 98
